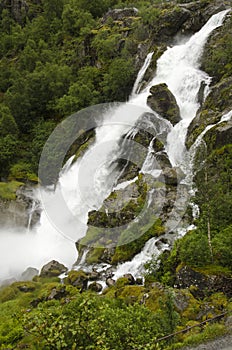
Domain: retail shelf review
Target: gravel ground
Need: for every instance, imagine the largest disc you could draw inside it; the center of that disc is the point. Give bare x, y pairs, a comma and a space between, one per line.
224, 343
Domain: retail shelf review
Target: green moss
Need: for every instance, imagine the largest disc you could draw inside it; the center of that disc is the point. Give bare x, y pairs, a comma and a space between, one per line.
215, 270
94, 255
75, 275
8, 189
130, 294
121, 282
137, 239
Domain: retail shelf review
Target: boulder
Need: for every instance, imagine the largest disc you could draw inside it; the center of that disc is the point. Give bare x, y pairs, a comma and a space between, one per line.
52, 269
130, 278
163, 102
170, 176
110, 282
95, 287
199, 14
57, 293
139, 281
77, 279
93, 276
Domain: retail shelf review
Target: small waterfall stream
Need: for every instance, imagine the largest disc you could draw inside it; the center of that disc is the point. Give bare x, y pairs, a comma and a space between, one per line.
178, 67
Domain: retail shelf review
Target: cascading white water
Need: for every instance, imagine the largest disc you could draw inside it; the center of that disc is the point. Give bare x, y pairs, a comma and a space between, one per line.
139, 79
178, 68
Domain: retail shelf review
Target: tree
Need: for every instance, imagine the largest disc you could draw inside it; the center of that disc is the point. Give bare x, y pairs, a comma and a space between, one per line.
119, 79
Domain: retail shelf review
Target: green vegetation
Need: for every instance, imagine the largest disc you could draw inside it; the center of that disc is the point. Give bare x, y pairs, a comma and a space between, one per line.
60, 56
8, 189
208, 247
57, 57
45, 314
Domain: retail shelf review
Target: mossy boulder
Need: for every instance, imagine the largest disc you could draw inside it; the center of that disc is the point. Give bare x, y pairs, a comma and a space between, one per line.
52, 269
95, 287
164, 103
78, 279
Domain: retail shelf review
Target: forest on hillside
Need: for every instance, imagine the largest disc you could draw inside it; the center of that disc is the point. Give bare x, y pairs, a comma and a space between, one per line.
57, 57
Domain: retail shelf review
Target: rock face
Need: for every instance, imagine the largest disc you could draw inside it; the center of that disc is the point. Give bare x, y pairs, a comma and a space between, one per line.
164, 103
217, 103
18, 213
201, 284
52, 269
119, 14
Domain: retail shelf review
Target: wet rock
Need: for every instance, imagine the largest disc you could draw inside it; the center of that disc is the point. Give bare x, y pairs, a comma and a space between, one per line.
29, 274
110, 282
163, 160
199, 14
170, 176
95, 287
164, 103
52, 269
16, 212
139, 281
130, 278
77, 279
93, 276
216, 104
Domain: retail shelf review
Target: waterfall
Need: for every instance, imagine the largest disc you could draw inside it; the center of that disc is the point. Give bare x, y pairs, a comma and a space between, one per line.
178, 67
140, 76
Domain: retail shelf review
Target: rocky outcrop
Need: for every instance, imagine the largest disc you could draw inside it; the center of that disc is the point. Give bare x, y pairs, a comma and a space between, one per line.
21, 212
199, 13
164, 103
201, 284
53, 269
217, 103
120, 14
219, 136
